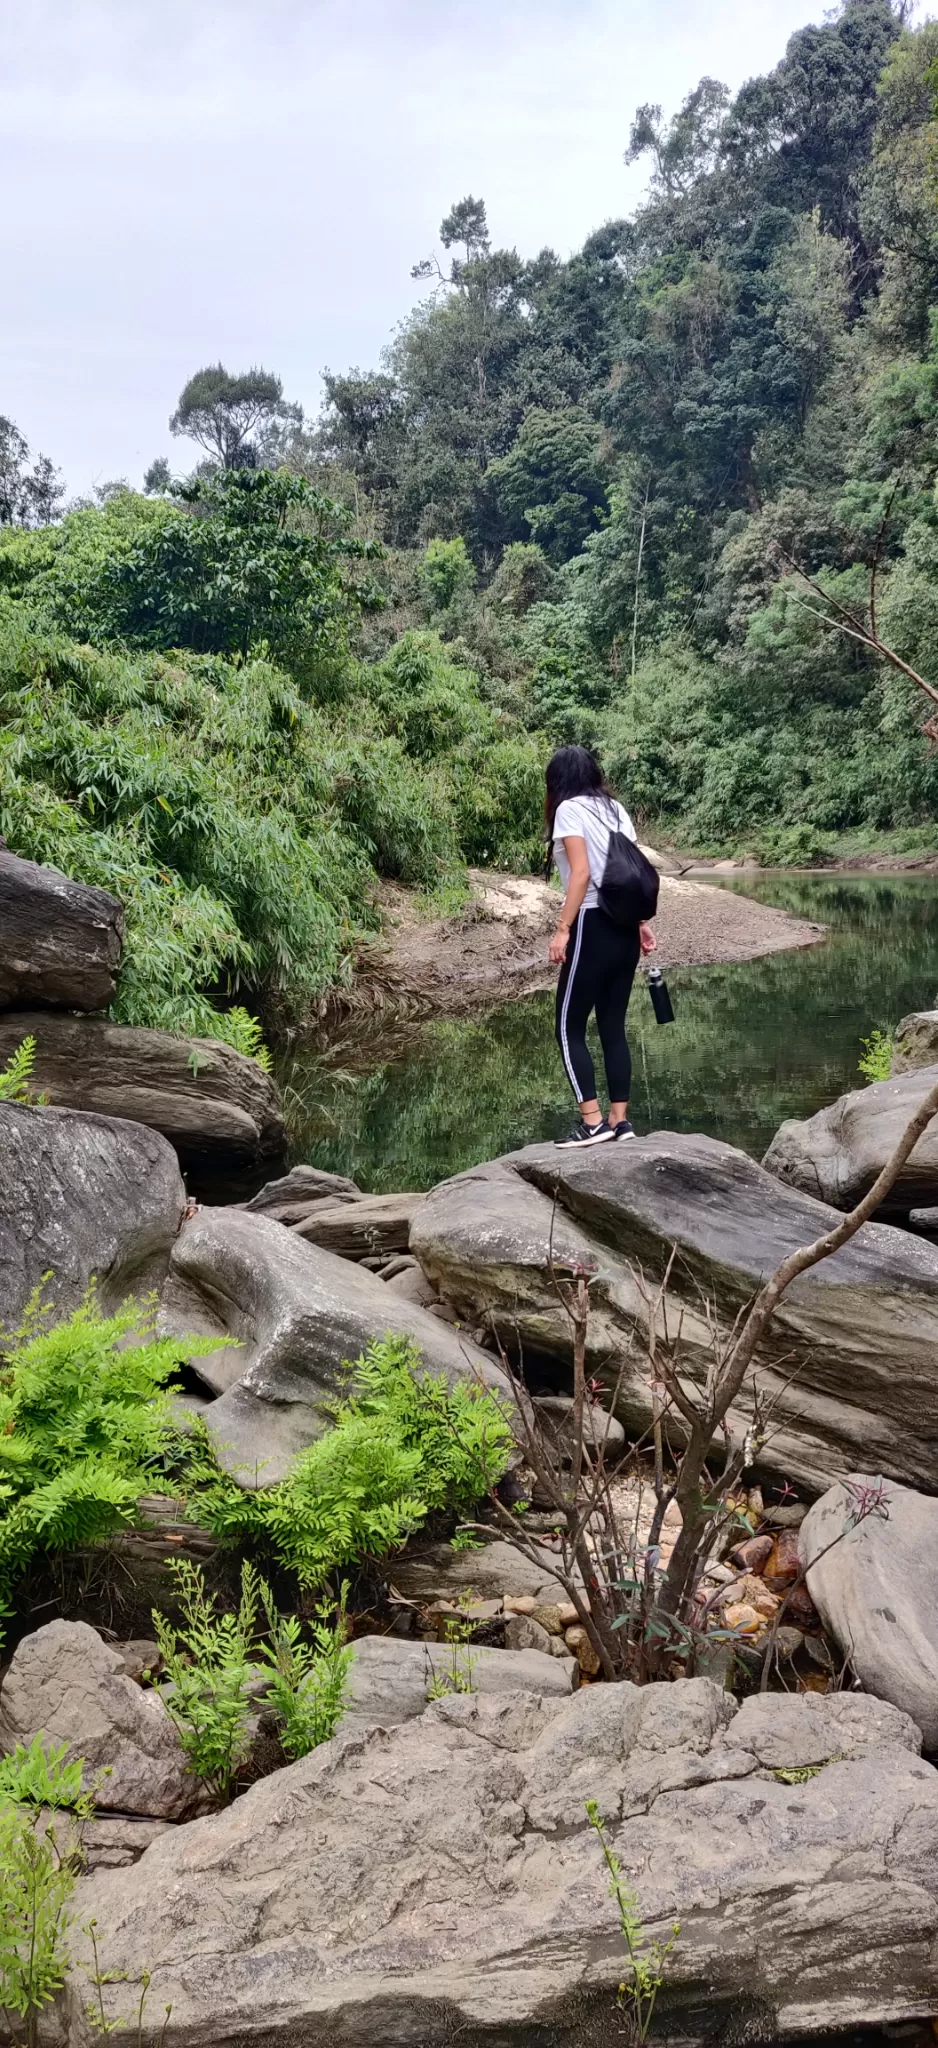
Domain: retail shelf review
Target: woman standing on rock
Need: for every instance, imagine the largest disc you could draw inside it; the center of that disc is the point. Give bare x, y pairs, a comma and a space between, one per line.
597, 956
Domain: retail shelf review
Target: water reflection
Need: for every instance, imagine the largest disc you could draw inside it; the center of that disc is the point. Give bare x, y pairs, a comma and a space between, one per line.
754, 1042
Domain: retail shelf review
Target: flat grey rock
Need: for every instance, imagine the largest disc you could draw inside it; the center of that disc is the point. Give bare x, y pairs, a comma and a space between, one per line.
83, 1197
216, 1107
362, 1229
861, 1328
299, 1315
438, 1881
877, 1594
438, 1572
62, 941
390, 1680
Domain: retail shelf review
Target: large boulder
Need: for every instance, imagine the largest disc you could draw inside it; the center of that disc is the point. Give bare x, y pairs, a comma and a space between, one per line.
916, 1042
390, 1681
440, 1881
216, 1107
297, 1314
876, 1591
61, 942
82, 1198
847, 1366
68, 1685
837, 1154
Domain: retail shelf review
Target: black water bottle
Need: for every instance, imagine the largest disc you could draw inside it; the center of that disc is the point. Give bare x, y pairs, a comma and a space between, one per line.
660, 999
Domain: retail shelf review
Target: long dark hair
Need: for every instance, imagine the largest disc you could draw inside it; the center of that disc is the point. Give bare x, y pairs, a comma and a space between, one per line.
571, 771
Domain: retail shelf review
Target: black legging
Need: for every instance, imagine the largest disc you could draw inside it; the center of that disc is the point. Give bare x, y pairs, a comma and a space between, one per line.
597, 975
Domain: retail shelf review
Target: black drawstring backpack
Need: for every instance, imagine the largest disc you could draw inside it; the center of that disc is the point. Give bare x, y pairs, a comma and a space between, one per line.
628, 892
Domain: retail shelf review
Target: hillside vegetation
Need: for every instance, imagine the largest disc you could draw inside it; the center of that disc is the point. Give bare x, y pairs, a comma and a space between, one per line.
572, 502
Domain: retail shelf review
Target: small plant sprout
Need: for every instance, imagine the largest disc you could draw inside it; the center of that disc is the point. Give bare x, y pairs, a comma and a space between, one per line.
456, 1674
309, 1679
637, 1993
208, 1663
15, 1076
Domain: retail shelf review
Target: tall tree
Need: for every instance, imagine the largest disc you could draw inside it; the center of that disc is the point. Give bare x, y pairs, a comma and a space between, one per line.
29, 496
222, 413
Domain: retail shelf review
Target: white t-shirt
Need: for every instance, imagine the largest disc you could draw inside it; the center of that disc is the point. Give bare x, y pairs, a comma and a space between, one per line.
589, 818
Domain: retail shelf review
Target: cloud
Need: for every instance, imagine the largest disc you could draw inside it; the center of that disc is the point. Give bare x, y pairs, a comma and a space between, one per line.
251, 180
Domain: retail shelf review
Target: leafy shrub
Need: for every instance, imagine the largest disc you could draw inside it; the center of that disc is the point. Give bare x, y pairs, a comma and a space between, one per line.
241, 562
875, 1063
85, 1422
208, 1661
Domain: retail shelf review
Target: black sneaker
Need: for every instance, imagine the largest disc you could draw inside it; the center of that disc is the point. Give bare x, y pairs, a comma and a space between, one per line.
623, 1129
588, 1134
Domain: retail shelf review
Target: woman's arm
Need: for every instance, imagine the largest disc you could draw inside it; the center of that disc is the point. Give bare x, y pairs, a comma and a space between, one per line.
575, 849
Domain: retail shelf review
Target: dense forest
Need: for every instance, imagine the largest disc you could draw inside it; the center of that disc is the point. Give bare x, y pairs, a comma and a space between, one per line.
655, 497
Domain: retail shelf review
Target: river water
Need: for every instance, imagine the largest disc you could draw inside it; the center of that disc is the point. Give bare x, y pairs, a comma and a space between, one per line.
753, 1042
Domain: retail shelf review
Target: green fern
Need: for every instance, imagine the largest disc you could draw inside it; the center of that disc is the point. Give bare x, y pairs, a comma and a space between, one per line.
15, 1076
404, 1445
246, 1035
85, 1426
39, 1777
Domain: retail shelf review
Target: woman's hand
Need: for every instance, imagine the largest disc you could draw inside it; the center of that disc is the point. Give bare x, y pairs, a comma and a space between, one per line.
557, 952
647, 940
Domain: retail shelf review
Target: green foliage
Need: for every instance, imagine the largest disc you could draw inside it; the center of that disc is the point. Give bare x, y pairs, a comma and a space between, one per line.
309, 1679
646, 1958
14, 1077
85, 1423
445, 570
36, 1885
243, 562
32, 1775
875, 1063
208, 1663
552, 480
404, 1445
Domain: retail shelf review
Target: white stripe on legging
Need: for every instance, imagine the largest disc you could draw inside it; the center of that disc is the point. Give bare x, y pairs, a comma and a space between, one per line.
564, 1047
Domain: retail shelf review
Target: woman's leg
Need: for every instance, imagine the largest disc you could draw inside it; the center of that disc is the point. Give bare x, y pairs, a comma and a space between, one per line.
576, 995
621, 952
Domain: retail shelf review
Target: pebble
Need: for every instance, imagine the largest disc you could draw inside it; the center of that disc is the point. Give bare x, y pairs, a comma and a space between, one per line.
752, 1555
740, 1615
522, 1632
578, 1641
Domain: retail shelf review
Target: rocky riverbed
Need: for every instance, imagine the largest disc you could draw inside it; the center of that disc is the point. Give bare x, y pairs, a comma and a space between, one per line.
430, 1873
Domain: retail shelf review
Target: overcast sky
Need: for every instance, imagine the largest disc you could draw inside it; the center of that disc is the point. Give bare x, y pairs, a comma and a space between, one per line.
250, 180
